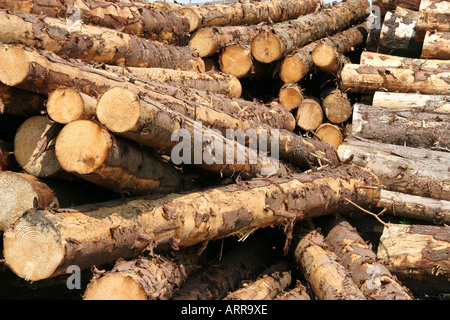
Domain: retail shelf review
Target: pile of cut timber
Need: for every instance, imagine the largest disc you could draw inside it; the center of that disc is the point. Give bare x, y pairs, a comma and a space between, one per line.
235, 150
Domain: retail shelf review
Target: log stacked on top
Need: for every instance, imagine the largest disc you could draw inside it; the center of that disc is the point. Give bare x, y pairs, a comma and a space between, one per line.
100, 96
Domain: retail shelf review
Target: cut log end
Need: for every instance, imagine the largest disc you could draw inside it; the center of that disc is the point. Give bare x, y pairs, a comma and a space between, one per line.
115, 286
82, 147
290, 96
236, 60
65, 105
266, 47
292, 69
15, 66
119, 109
330, 134
337, 107
202, 41
309, 115
193, 18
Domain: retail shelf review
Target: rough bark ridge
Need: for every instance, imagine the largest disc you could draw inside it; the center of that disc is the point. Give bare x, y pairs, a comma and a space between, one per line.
434, 15
102, 233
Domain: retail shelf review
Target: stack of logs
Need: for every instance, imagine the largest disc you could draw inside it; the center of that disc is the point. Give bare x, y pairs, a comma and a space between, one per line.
116, 158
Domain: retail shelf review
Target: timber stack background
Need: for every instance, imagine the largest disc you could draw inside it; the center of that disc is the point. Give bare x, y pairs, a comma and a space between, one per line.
93, 92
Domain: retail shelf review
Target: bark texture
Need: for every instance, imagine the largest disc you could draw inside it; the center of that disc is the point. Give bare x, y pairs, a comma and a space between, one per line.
436, 45
389, 61
412, 101
391, 5
434, 15
20, 102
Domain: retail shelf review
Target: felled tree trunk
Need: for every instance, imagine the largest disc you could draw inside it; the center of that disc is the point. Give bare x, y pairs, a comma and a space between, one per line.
149, 21
436, 45
65, 105
418, 255
280, 39
391, 5
94, 44
372, 277
336, 105
389, 61
329, 133
20, 102
128, 227
309, 115
291, 96
298, 293
408, 170
434, 15
367, 79
402, 127
237, 59
412, 101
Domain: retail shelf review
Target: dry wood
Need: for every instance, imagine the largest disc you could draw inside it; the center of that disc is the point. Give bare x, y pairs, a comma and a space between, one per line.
414, 171
247, 13
412, 101
86, 149
149, 21
20, 102
298, 293
434, 15
336, 105
402, 127
330, 134
280, 39
367, 79
436, 45
309, 115
385, 60
391, 5
65, 105
128, 227
328, 60
94, 44
327, 277
237, 59
372, 277
414, 207
291, 96
419, 255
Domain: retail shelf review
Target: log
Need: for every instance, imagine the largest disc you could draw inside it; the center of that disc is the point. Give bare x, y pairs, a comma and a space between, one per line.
390, 5
94, 44
86, 149
367, 79
274, 280
128, 227
330, 134
20, 102
412, 101
389, 61
34, 147
299, 292
372, 278
430, 210
418, 255
398, 35
436, 45
309, 115
434, 15
65, 105
290, 96
327, 277
149, 21
328, 60
280, 39
402, 127
214, 82
414, 171
336, 105
237, 60
246, 13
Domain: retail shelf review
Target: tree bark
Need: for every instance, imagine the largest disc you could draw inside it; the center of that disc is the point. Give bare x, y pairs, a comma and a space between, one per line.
279, 40
85, 149
149, 21
367, 79
434, 15
402, 127
436, 45
327, 277
94, 44
414, 171
246, 13
291, 96
237, 59
414, 207
385, 60
418, 255
309, 115
372, 278
214, 82
20, 102
103, 233
412, 101
298, 293
391, 5
329, 133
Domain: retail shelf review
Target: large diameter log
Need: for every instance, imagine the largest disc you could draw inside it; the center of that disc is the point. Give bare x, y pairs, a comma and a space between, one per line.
280, 39
367, 79
402, 127
434, 15
374, 59
86, 149
373, 278
251, 13
436, 45
94, 235
65, 105
414, 171
20, 102
415, 207
327, 277
299, 63
94, 44
419, 255
215, 82
412, 101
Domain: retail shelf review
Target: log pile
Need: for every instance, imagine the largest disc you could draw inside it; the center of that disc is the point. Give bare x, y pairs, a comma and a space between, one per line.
232, 150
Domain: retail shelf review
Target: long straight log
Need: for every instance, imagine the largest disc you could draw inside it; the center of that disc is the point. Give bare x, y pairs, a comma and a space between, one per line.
414, 171
412, 101
419, 255
20, 102
149, 21
94, 44
402, 127
105, 232
282, 38
367, 79
434, 15
374, 59
390, 5
436, 45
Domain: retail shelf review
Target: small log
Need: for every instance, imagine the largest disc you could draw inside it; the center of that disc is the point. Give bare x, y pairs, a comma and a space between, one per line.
291, 96
330, 134
419, 255
309, 115
20, 102
385, 60
412, 101
402, 127
336, 105
127, 227
328, 60
434, 15
436, 45
65, 105
414, 207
